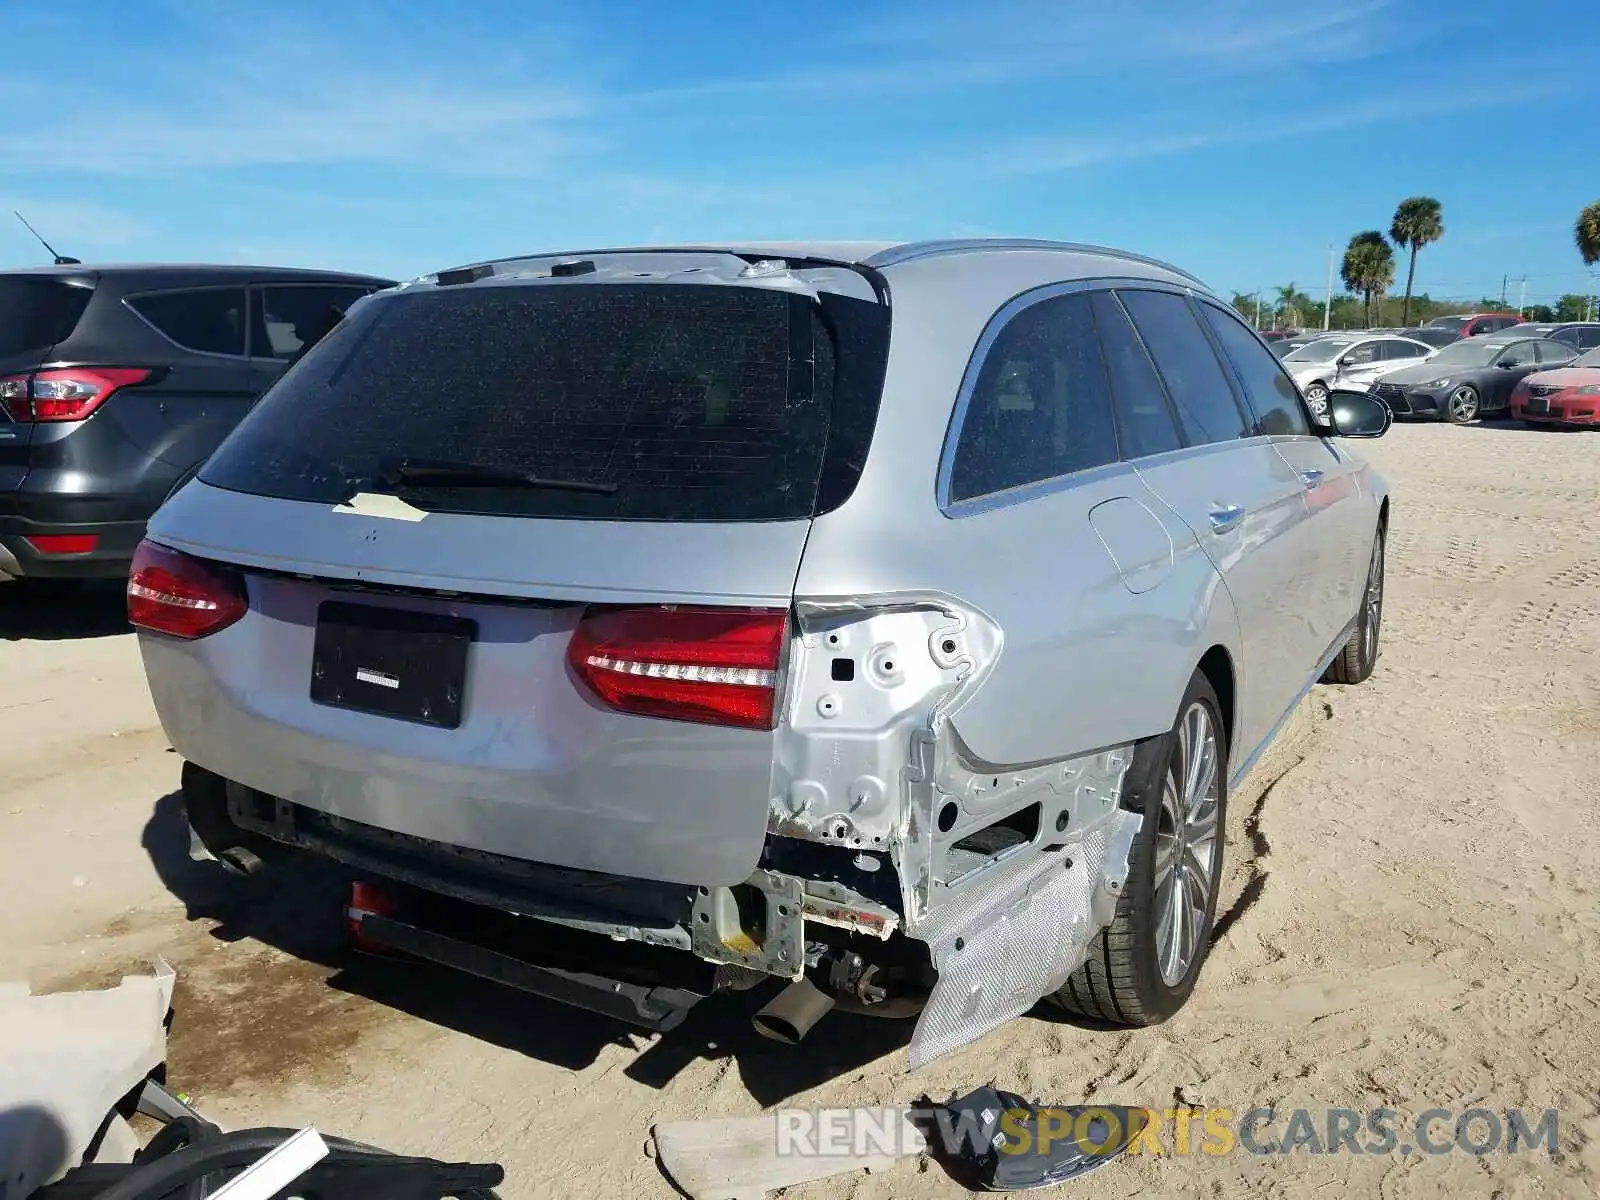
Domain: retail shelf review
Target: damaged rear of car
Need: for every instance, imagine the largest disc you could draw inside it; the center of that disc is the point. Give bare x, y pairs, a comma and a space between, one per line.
621, 601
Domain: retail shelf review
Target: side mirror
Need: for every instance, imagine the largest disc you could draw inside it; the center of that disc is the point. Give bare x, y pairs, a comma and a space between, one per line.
1354, 414
1509, 362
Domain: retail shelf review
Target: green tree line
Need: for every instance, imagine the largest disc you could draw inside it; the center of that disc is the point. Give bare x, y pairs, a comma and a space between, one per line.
1369, 269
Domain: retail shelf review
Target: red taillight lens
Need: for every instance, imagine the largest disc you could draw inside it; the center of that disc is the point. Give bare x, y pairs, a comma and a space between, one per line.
718, 666
171, 593
70, 394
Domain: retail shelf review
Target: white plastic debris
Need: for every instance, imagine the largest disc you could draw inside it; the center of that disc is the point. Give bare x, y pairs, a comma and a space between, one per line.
65, 1060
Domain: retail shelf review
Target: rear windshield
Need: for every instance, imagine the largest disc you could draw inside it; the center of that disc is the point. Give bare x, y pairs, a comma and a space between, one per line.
694, 402
37, 312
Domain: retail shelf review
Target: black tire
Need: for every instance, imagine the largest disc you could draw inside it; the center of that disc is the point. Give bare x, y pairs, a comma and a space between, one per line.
1360, 654
1121, 981
1470, 408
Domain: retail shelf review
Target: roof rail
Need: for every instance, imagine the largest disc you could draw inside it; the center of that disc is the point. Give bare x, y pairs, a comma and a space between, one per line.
930, 249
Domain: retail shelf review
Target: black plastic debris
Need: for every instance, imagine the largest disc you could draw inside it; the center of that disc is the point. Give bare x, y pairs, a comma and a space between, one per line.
993, 1141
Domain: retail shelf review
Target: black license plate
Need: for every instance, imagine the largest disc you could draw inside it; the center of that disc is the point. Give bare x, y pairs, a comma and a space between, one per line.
1538, 405
391, 662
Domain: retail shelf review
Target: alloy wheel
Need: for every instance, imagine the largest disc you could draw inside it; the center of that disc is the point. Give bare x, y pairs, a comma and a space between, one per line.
1186, 851
1463, 404
1373, 604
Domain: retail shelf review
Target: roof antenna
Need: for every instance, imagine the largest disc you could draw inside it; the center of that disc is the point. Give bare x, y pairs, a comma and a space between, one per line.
61, 259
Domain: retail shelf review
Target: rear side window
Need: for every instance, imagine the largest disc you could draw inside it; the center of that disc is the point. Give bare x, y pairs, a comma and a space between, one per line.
1041, 406
1188, 365
36, 312
692, 402
208, 320
1270, 392
1393, 350
289, 316
1145, 425
1553, 352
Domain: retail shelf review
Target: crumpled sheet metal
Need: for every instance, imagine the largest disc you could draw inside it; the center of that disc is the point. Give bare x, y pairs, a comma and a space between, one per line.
65, 1061
1024, 930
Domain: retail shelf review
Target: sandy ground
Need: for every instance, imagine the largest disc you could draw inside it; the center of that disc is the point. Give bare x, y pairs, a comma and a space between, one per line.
1411, 916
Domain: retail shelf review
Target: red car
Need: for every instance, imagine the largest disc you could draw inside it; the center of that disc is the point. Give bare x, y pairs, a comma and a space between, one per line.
1475, 324
1568, 395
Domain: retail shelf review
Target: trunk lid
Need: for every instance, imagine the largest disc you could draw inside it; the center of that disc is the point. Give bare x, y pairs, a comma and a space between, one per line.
688, 432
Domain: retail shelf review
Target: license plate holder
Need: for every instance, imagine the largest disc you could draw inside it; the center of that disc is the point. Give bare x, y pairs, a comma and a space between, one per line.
391, 662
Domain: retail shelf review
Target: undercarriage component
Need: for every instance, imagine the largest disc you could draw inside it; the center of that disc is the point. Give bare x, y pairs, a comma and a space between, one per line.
790, 1015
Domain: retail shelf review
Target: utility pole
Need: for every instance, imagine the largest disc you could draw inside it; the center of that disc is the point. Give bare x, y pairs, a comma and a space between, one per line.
1505, 280
1327, 303
1258, 308
1522, 297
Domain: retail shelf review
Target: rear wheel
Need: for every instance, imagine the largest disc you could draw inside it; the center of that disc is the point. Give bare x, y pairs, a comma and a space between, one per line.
1143, 966
1360, 653
1462, 406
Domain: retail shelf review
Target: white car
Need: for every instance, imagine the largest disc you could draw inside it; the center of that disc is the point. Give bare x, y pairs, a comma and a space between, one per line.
1349, 362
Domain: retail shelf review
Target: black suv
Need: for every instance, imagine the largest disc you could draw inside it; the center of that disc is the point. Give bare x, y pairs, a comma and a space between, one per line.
117, 382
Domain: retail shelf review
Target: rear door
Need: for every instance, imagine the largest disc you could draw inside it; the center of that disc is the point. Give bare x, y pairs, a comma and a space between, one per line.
185, 415
1339, 522
1244, 502
36, 312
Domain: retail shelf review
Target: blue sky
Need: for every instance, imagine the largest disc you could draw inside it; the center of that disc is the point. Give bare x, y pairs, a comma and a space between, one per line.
1235, 138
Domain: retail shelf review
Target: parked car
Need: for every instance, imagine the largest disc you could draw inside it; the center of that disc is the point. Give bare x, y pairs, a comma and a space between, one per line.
116, 382
718, 621
1580, 335
1465, 325
1469, 378
1288, 345
1435, 337
1350, 362
1568, 395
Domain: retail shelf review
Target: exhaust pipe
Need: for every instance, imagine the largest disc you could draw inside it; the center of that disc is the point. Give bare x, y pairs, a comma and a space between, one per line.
792, 1013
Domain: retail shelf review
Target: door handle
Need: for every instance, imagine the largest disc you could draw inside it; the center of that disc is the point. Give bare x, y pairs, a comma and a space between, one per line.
1225, 516
1311, 478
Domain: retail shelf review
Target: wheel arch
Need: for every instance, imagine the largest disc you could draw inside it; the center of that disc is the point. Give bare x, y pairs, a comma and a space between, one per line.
1216, 664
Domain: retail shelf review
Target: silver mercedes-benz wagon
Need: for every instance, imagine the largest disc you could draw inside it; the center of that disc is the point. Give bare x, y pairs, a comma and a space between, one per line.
891, 620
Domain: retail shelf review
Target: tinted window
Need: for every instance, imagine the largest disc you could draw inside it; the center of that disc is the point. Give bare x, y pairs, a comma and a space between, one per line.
1588, 338
210, 320
1188, 365
1145, 423
1519, 352
1403, 350
287, 317
1041, 406
37, 312
1553, 352
694, 402
1271, 393
1361, 354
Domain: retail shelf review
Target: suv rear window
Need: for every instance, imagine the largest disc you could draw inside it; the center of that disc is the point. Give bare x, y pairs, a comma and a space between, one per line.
696, 402
37, 312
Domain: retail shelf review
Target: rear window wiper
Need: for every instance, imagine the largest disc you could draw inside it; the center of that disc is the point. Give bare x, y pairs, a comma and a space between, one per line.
448, 475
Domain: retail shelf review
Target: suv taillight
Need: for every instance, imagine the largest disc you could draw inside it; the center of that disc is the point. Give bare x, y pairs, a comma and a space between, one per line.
717, 666
183, 597
69, 394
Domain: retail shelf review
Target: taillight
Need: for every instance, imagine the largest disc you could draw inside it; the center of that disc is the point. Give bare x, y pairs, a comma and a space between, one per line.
171, 593
69, 394
717, 666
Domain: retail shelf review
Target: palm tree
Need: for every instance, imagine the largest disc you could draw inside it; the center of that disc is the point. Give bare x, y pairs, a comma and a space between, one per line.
1587, 234
1368, 267
1418, 221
